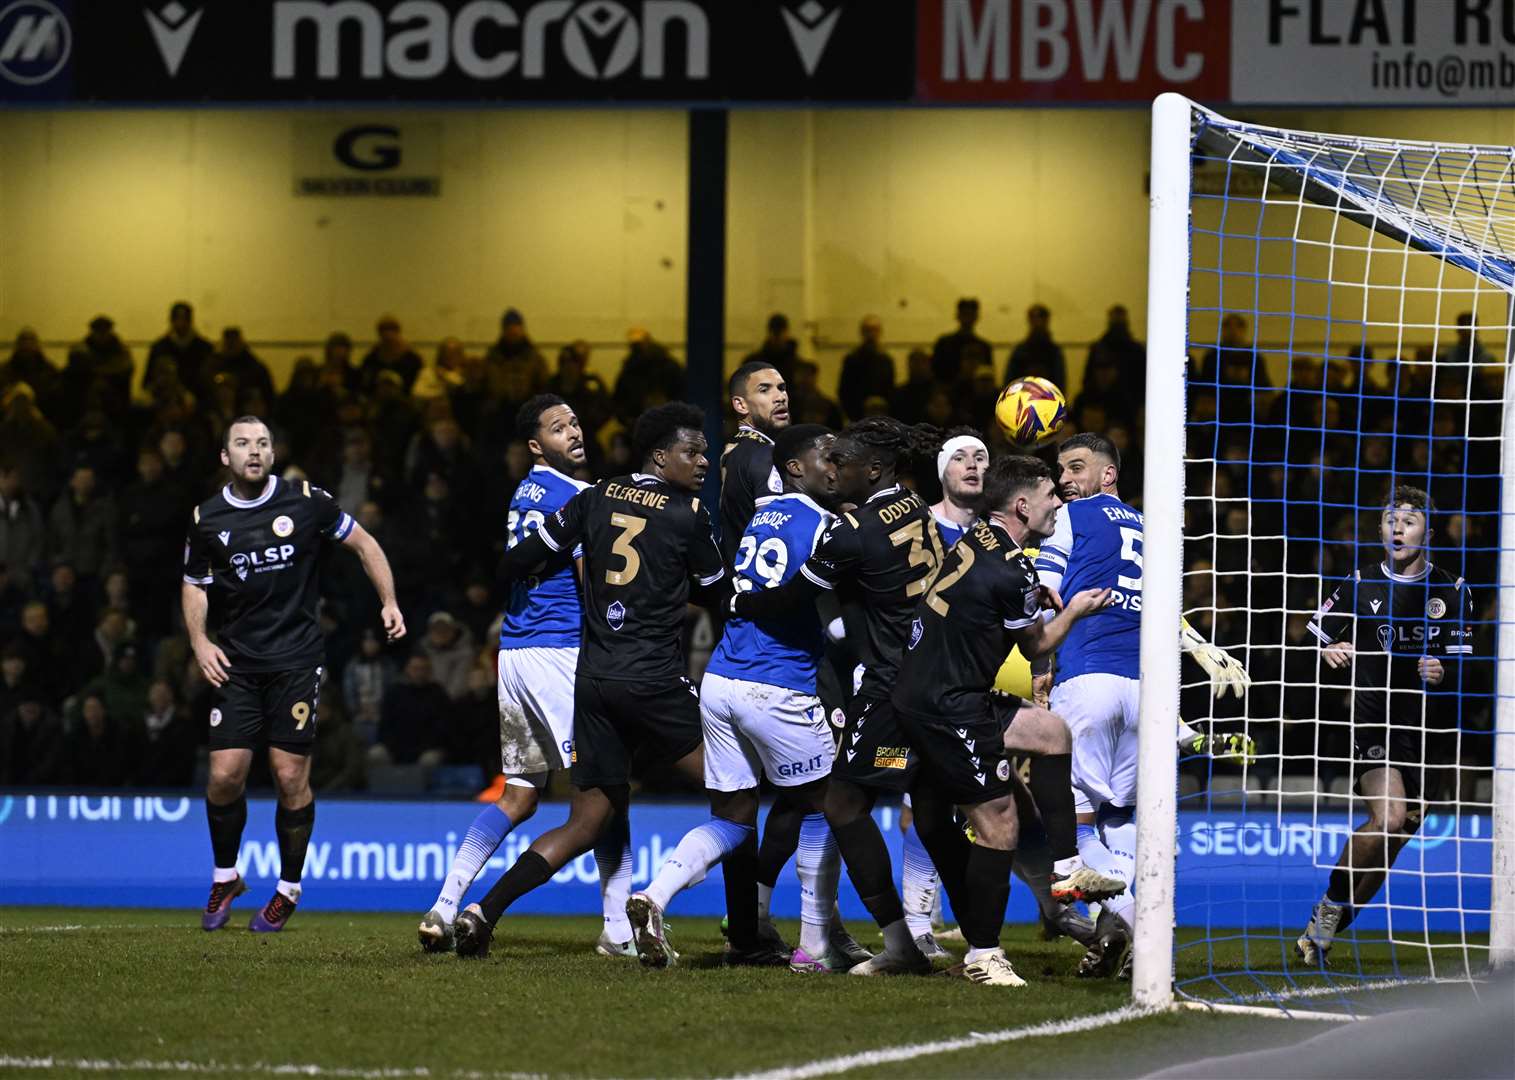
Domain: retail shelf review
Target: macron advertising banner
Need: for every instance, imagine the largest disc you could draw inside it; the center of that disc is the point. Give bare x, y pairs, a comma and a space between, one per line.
1234, 869
718, 52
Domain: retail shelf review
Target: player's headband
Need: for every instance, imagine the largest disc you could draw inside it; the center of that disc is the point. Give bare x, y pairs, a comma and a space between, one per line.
952, 446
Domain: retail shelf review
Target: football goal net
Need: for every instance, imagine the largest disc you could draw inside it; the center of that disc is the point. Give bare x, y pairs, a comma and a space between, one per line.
1332, 316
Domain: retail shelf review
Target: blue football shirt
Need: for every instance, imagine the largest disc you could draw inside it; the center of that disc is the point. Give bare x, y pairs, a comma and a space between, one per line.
1098, 544
778, 652
544, 612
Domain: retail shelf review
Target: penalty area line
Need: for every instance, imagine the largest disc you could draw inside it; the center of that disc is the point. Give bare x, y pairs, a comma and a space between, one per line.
257, 1068
890, 1054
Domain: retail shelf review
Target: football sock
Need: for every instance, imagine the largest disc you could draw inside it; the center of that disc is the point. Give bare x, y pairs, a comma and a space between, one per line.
1339, 891
947, 847
973, 956
1118, 838
481, 841
1051, 784
293, 827
781, 836
764, 896
986, 893
701, 848
819, 866
1033, 865
898, 940
226, 824
529, 871
739, 874
1097, 856
290, 890
867, 858
918, 884
612, 854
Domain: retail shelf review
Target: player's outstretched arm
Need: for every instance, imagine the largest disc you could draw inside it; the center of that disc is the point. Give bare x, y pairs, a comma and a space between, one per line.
1225, 671
376, 566
213, 663
524, 559
795, 594
1040, 638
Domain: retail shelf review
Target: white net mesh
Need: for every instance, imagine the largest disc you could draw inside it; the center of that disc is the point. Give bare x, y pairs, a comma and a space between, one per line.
1349, 327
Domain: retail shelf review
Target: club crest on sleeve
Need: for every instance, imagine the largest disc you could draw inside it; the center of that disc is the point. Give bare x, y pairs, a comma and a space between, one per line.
916, 630
1002, 770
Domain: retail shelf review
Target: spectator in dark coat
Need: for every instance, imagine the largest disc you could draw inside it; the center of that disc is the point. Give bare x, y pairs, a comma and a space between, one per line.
338, 372
1117, 348
70, 609
100, 753
167, 740
513, 368
908, 402
29, 364
99, 373
153, 513
1038, 354
584, 391
14, 684
123, 686
649, 376
779, 350
807, 404
957, 355
23, 529
867, 371
236, 359
34, 750
47, 659
29, 441
82, 526
392, 353
366, 679
410, 724
182, 346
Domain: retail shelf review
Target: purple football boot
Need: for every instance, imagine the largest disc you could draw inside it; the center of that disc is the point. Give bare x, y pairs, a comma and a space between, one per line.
218, 907
274, 915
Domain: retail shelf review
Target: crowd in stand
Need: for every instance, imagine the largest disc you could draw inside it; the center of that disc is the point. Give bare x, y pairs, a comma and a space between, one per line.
103, 455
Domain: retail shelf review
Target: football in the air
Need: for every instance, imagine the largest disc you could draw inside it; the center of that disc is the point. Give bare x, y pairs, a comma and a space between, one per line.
1030, 411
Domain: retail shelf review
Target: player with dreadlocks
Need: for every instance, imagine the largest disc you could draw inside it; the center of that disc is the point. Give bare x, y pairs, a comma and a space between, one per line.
880, 558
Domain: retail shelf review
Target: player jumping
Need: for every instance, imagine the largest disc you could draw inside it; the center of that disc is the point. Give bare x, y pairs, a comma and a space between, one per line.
256, 546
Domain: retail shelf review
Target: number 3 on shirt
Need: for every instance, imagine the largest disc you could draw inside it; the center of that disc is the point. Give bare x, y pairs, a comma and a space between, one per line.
914, 534
631, 527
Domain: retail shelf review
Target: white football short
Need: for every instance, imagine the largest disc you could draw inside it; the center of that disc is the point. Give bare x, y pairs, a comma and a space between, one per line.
1101, 712
536, 711
754, 729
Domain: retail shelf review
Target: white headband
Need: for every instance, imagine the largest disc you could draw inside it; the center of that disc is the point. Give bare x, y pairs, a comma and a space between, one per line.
952, 446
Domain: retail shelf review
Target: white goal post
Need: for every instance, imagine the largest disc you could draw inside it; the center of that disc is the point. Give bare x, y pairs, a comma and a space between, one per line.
1422, 216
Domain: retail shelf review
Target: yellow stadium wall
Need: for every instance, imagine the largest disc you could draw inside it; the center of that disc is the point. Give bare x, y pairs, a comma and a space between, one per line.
578, 218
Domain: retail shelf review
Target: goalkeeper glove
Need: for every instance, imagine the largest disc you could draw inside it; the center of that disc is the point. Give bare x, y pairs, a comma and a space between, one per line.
1225, 671
1232, 748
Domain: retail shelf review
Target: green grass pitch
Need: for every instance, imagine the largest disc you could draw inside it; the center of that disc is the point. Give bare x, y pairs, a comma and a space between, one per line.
140, 993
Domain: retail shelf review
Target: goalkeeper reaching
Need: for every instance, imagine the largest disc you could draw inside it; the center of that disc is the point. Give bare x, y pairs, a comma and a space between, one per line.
1402, 627
1098, 544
